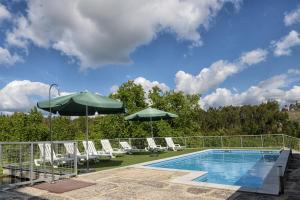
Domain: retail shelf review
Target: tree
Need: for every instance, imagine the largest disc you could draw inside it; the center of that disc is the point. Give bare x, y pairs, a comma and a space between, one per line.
132, 95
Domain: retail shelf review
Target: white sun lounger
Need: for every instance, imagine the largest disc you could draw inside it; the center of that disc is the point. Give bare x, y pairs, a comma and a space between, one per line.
108, 149
172, 146
70, 151
153, 147
128, 148
45, 156
90, 149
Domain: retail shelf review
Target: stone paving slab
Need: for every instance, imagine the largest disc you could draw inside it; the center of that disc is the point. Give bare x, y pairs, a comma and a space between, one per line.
148, 184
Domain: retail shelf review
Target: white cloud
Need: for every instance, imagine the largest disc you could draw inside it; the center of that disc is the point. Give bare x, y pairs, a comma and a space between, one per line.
253, 57
148, 85
4, 13
22, 95
292, 17
284, 45
216, 73
207, 78
272, 88
18, 95
99, 32
114, 89
6, 58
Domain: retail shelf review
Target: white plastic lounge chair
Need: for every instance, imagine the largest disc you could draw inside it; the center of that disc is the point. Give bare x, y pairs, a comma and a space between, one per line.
90, 149
70, 151
172, 146
153, 147
108, 149
128, 148
45, 156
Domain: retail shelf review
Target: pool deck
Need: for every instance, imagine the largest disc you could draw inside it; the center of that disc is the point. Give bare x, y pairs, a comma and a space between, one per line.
136, 183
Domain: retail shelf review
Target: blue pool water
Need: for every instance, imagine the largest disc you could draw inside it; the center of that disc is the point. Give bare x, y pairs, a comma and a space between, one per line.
246, 168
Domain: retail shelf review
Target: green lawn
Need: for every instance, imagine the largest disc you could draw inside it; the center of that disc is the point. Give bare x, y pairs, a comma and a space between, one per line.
133, 159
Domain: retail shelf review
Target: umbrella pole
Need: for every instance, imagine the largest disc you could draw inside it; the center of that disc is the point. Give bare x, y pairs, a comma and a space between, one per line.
87, 137
50, 129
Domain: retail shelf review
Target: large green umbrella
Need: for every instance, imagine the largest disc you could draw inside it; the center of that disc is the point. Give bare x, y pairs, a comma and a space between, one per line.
150, 114
75, 105
82, 104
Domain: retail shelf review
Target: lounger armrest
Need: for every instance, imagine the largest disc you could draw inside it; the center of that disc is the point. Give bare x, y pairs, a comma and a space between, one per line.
159, 146
177, 145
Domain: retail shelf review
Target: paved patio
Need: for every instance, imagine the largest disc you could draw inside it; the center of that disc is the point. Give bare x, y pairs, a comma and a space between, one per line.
132, 183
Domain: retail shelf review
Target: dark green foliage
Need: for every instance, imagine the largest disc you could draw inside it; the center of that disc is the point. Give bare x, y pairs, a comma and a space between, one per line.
266, 118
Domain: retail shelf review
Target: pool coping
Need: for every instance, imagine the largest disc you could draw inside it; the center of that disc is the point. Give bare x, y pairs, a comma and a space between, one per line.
271, 184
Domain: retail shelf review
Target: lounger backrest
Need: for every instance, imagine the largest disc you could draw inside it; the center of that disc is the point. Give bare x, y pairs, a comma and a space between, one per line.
151, 143
106, 146
170, 142
70, 148
45, 151
125, 145
90, 149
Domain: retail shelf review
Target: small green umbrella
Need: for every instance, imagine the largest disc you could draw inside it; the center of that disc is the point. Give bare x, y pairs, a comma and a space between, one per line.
82, 104
150, 114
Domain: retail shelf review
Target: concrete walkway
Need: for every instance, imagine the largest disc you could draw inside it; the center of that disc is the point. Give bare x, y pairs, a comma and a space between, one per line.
132, 183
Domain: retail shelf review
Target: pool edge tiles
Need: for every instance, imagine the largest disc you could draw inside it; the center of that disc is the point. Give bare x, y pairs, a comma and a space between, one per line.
270, 183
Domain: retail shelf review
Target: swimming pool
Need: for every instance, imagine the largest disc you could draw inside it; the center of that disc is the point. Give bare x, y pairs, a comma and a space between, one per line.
246, 168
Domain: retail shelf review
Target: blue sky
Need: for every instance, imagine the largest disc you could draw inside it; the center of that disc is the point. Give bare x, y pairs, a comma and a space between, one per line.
168, 46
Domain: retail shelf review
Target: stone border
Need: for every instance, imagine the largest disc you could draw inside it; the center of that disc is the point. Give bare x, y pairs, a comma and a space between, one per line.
271, 184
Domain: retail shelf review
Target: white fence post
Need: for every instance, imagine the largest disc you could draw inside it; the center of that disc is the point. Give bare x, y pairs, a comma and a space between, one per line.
221, 141
20, 160
241, 141
262, 142
1, 162
31, 163
283, 142
44, 159
75, 157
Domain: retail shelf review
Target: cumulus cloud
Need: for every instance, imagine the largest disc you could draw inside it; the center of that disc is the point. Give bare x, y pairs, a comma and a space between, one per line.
292, 17
22, 95
253, 57
18, 95
218, 72
284, 45
273, 88
4, 13
99, 32
148, 85
6, 58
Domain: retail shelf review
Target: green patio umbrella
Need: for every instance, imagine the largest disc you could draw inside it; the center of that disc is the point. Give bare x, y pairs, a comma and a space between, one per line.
150, 114
75, 105
82, 104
